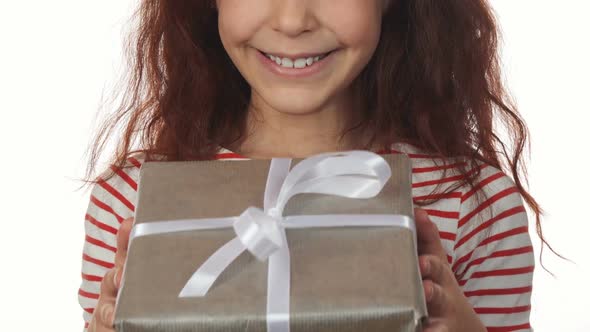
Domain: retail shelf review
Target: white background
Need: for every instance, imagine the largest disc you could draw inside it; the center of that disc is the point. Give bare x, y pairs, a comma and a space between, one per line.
58, 57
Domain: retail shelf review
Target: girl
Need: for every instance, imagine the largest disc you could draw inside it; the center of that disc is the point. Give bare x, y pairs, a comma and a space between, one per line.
231, 79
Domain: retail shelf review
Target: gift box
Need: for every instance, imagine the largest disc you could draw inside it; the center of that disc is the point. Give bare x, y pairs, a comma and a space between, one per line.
325, 243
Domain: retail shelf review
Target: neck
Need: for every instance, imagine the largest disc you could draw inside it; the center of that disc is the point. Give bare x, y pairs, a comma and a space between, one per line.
271, 133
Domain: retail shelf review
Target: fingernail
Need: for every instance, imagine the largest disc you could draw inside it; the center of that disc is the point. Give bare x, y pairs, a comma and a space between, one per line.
115, 279
111, 315
427, 292
426, 267
105, 313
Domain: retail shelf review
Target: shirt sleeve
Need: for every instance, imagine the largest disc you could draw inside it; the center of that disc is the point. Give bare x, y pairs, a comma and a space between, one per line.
494, 258
111, 202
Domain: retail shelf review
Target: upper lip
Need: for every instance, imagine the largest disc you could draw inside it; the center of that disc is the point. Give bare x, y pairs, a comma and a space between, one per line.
296, 55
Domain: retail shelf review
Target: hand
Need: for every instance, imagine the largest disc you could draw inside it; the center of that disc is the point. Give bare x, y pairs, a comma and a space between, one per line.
104, 313
448, 308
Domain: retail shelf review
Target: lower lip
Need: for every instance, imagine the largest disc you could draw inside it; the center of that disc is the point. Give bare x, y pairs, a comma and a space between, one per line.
308, 71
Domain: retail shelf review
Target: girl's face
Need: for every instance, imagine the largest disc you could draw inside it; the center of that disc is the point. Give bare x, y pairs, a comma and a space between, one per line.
300, 56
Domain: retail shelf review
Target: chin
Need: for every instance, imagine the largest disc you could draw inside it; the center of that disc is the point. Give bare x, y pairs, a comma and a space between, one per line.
296, 104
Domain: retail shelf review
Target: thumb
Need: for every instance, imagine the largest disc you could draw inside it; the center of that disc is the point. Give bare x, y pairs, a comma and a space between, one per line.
429, 242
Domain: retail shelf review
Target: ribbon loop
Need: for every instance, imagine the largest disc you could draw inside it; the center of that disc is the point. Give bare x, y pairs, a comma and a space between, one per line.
259, 232
353, 174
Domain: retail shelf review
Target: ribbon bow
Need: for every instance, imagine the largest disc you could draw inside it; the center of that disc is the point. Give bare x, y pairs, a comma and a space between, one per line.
353, 174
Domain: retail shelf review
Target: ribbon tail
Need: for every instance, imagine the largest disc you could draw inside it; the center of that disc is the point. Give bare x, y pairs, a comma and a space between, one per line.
279, 289
202, 280
277, 172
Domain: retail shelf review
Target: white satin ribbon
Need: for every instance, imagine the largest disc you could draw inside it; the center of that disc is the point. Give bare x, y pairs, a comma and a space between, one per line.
353, 174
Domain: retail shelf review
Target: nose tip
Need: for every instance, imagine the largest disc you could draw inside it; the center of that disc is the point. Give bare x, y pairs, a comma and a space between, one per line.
293, 17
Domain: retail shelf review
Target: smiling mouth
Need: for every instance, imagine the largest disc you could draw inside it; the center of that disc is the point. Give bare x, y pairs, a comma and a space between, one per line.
296, 62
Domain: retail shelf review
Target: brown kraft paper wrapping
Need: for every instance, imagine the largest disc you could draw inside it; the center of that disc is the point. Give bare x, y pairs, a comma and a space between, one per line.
346, 279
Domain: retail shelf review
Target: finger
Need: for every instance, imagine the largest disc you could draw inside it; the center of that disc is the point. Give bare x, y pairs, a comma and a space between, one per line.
105, 315
122, 246
428, 237
108, 287
436, 325
123, 239
92, 326
436, 298
432, 268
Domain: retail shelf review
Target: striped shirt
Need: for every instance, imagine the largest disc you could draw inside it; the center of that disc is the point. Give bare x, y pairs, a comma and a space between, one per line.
488, 244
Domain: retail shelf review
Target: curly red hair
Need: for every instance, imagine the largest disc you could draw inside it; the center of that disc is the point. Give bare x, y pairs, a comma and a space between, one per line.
434, 81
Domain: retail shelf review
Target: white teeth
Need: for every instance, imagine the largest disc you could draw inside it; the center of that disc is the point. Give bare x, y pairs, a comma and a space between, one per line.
288, 63
300, 63
297, 63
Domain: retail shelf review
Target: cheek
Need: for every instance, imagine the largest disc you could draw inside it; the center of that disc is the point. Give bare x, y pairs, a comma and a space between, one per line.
356, 23
237, 20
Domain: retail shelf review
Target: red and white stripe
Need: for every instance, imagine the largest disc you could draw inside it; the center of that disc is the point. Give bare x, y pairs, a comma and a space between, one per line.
487, 244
